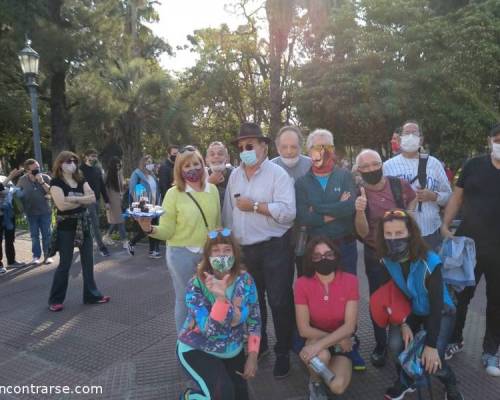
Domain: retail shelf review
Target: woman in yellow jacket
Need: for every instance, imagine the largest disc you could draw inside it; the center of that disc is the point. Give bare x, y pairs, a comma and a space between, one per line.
192, 209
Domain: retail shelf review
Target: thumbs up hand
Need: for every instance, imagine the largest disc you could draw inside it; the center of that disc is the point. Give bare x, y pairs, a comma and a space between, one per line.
361, 202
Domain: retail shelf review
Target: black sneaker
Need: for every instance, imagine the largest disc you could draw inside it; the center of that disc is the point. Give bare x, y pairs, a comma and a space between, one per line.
398, 391
17, 264
378, 356
263, 351
281, 366
452, 393
104, 251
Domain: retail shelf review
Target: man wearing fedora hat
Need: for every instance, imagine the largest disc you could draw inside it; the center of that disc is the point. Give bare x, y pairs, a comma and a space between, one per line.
259, 206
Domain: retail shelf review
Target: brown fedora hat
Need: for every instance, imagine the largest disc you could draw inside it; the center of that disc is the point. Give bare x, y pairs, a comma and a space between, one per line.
250, 130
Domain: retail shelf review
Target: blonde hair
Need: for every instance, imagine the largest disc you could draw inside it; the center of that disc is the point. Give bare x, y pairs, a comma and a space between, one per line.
181, 159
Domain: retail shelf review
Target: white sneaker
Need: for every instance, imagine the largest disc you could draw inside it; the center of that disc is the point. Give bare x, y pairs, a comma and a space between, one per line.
35, 261
492, 364
48, 260
3, 270
125, 244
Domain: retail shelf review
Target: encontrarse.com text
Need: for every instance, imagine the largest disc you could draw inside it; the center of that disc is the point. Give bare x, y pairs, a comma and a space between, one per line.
42, 389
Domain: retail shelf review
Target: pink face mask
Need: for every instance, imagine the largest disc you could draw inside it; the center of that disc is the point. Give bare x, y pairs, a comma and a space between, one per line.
193, 175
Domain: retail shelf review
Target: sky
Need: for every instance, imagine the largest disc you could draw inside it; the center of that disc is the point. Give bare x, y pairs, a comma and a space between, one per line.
178, 18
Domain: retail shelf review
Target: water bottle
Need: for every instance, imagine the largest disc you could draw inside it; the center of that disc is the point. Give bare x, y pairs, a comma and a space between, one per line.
322, 370
300, 247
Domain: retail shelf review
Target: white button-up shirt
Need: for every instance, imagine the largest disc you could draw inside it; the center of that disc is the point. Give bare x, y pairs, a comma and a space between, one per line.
270, 184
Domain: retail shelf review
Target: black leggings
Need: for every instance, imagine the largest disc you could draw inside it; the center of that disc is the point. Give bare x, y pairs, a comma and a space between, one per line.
216, 377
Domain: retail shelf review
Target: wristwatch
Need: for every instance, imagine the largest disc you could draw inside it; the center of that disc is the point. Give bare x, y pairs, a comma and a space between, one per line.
255, 206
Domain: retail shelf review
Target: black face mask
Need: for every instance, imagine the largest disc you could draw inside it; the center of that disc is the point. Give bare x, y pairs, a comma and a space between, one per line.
325, 267
35, 172
398, 249
372, 177
172, 158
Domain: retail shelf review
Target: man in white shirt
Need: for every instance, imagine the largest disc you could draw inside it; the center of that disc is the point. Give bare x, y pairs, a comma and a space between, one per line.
434, 194
259, 206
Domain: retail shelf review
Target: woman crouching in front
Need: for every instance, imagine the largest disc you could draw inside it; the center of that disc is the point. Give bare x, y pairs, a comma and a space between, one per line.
326, 307
223, 307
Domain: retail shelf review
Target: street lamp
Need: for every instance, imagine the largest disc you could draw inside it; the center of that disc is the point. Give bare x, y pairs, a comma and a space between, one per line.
29, 64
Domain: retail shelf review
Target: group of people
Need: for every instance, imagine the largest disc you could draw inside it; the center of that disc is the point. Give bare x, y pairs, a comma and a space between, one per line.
235, 241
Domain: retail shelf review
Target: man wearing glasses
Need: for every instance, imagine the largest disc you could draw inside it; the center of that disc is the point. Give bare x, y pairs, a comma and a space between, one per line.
378, 194
433, 193
259, 206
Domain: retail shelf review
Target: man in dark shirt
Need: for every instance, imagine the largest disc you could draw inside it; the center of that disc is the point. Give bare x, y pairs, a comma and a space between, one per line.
477, 192
93, 175
166, 173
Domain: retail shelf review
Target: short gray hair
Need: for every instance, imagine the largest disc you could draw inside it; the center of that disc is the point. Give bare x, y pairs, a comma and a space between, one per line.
367, 151
290, 128
319, 133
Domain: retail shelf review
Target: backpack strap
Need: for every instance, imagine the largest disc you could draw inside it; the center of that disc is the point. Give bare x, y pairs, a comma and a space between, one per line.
397, 191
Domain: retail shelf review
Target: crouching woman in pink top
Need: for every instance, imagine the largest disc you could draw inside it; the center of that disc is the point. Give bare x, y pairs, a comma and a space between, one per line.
326, 307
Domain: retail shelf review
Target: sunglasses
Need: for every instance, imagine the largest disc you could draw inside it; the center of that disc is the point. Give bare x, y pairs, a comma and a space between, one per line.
396, 213
319, 147
247, 147
329, 255
187, 148
226, 232
71, 161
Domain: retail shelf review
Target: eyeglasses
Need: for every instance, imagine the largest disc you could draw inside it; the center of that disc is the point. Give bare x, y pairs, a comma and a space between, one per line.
329, 255
187, 148
247, 147
320, 147
71, 161
226, 232
395, 213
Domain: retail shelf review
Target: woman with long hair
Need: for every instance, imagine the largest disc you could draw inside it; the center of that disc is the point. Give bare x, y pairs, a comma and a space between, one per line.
192, 208
223, 308
416, 271
145, 177
326, 309
114, 187
71, 195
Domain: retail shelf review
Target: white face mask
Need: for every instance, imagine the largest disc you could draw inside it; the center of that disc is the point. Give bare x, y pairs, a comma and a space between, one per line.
410, 143
290, 162
495, 151
69, 168
218, 167
150, 167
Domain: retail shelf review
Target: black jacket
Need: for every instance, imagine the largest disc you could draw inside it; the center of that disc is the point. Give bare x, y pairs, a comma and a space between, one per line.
166, 177
93, 175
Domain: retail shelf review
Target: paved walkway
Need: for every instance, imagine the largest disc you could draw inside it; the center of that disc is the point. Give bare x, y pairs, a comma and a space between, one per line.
127, 346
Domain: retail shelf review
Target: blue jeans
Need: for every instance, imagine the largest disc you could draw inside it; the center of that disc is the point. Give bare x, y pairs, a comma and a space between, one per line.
39, 224
349, 255
181, 264
396, 346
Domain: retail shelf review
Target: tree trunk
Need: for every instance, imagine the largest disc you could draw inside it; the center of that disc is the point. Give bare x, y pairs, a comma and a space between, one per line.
129, 133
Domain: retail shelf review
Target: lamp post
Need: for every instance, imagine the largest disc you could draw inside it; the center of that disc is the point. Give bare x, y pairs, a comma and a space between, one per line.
29, 64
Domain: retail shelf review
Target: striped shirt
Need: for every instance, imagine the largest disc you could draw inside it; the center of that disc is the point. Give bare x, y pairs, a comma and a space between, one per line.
405, 168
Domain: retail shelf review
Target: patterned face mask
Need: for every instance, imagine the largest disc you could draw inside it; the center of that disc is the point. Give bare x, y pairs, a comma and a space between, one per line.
221, 263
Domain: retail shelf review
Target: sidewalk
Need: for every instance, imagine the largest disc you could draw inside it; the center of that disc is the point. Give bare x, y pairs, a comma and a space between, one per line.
128, 345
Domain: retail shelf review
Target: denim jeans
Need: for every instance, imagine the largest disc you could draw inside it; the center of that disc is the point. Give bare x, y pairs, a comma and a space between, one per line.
377, 276
120, 228
271, 265
396, 346
65, 243
349, 255
94, 220
39, 224
181, 264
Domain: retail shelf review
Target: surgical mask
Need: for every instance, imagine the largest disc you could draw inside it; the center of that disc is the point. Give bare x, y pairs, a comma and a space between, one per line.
495, 151
221, 263
249, 157
150, 167
290, 162
398, 249
325, 266
218, 167
372, 177
69, 168
410, 143
192, 175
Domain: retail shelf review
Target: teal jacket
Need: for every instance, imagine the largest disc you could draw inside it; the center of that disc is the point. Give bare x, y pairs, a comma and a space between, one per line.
313, 203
